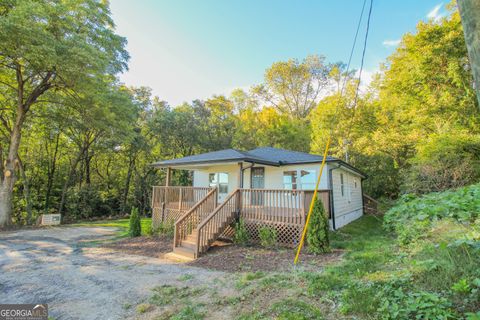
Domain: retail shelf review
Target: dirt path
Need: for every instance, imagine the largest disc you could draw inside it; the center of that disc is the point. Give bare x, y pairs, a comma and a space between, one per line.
50, 266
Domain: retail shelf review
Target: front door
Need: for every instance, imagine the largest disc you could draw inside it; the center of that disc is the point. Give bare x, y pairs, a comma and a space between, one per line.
257, 181
219, 180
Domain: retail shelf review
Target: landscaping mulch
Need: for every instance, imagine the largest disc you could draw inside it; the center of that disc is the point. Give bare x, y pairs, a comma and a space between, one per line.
223, 256
231, 258
150, 246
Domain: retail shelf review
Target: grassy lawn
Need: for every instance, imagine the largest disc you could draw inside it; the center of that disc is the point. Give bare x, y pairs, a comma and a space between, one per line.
296, 294
121, 224
426, 268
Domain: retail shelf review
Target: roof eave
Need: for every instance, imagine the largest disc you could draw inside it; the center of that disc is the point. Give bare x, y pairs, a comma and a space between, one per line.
250, 160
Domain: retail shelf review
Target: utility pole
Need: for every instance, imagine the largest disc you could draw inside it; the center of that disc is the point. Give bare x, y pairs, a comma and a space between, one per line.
470, 15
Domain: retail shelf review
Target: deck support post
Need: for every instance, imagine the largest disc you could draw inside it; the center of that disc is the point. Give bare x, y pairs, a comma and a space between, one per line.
169, 177
240, 175
180, 199
239, 194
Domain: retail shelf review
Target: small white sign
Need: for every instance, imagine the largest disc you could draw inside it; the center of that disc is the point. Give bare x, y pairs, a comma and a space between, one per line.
51, 219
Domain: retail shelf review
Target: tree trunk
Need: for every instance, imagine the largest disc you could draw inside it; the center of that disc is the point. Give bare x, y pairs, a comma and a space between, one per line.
470, 14
127, 184
51, 175
6, 188
68, 180
88, 161
26, 190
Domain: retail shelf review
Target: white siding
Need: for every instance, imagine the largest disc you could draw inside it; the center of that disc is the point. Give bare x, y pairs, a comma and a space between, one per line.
274, 175
347, 207
200, 176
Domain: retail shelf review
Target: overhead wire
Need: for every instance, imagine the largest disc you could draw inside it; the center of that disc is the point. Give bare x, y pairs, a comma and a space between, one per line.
327, 146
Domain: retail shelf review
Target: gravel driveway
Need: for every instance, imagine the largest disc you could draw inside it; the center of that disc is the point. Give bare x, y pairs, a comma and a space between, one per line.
50, 266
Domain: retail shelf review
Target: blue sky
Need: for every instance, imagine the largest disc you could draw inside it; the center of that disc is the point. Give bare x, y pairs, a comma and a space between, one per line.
191, 49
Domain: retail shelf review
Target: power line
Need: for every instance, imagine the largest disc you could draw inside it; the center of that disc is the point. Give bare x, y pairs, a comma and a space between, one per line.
363, 54
305, 228
353, 47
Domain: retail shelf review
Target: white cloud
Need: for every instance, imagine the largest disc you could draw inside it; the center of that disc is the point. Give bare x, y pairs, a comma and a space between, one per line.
367, 77
435, 13
391, 43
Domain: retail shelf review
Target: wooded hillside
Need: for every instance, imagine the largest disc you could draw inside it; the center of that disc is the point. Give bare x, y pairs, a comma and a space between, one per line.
76, 141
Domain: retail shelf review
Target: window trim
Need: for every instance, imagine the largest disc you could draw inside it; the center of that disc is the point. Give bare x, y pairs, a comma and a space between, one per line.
294, 184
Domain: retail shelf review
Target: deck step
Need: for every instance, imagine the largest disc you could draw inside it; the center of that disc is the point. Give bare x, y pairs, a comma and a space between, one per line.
172, 256
184, 251
189, 244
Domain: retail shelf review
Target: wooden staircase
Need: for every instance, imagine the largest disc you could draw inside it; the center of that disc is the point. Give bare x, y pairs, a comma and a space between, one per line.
198, 228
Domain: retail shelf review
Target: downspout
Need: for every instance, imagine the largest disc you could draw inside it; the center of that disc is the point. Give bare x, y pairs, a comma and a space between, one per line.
330, 186
361, 191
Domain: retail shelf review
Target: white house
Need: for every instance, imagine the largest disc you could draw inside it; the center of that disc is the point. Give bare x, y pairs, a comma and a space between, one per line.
277, 169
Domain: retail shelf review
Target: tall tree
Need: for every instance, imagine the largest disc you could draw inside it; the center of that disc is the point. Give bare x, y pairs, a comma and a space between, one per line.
293, 87
49, 46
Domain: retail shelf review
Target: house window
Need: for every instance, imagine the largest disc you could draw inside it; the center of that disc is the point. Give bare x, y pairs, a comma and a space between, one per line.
219, 180
212, 180
308, 179
290, 180
342, 185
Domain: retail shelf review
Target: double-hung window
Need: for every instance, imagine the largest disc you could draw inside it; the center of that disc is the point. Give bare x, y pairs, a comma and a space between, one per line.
290, 180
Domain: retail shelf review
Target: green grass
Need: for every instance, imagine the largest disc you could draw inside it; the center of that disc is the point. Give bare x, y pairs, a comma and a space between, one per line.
121, 224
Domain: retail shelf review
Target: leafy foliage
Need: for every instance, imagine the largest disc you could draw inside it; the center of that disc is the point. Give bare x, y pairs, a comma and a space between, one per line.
398, 304
268, 237
446, 160
241, 236
318, 229
135, 229
412, 215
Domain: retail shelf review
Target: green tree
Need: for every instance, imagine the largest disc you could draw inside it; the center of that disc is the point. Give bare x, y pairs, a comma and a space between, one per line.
135, 228
293, 87
47, 47
317, 233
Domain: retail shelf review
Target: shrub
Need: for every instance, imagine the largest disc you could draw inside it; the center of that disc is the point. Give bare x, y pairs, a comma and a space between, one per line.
135, 229
166, 228
317, 234
396, 303
411, 217
241, 236
444, 161
268, 237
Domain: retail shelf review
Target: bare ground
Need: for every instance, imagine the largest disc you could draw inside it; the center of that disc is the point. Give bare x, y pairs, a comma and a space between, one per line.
49, 266
226, 257
129, 279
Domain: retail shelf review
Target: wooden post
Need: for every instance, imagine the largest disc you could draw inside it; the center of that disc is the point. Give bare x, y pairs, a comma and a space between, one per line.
180, 198
169, 176
240, 175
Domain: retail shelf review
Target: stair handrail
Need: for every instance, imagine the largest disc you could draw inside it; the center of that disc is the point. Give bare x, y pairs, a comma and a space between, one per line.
182, 224
231, 205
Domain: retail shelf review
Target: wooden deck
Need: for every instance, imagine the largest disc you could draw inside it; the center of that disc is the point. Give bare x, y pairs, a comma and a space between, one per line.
283, 210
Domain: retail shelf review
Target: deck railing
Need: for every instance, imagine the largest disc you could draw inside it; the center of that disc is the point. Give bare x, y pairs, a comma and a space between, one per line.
189, 221
283, 210
170, 203
213, 225
289, 206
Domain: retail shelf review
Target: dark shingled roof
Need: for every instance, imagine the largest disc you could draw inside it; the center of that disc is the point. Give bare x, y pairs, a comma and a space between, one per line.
284, 157
266, 155
227, 155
